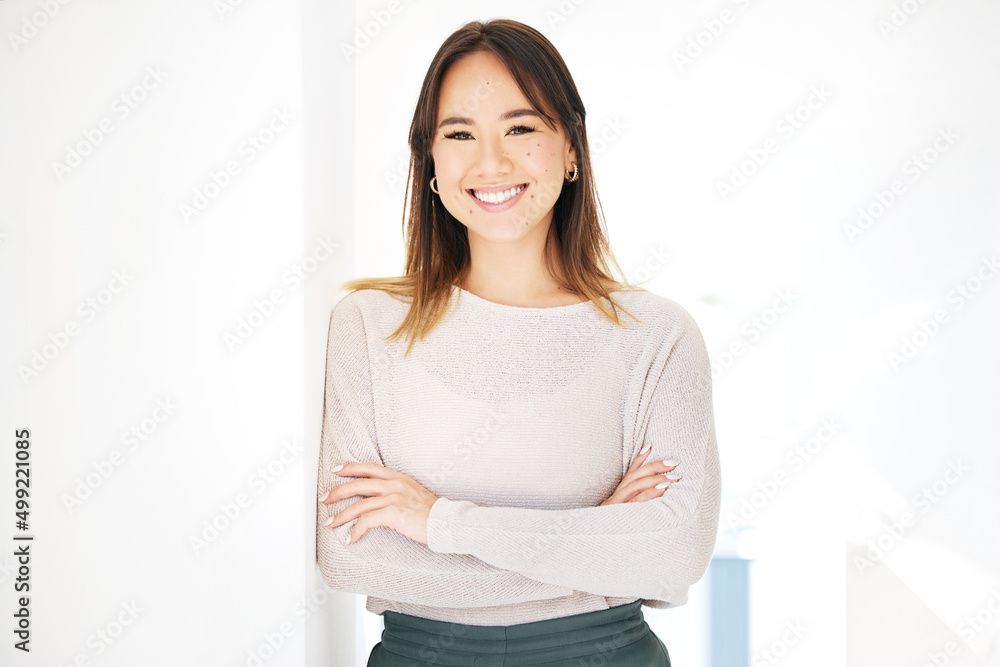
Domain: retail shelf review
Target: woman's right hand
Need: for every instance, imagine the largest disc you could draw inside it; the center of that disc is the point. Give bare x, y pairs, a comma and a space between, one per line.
640, 481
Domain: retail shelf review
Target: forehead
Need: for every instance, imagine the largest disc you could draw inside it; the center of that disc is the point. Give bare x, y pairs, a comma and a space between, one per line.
477, 81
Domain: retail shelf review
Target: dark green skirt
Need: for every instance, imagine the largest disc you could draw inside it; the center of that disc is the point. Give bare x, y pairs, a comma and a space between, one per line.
618, 636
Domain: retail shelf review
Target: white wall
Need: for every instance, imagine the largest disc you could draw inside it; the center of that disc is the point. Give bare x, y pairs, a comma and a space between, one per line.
234, 429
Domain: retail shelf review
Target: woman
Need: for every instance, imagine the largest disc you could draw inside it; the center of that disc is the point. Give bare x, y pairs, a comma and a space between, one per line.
506, 487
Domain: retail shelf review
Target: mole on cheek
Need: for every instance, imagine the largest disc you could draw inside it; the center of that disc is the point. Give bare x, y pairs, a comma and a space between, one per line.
529, 155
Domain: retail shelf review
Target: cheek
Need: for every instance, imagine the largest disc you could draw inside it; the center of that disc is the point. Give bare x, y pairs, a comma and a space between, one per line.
446, 165
541, 156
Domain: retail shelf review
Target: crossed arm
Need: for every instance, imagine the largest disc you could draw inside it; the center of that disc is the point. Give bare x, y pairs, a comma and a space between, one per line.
484, 556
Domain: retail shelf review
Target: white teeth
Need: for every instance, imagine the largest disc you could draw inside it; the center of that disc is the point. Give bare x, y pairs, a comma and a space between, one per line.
497, 197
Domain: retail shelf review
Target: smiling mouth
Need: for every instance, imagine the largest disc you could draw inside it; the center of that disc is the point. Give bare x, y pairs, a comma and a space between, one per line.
498, 197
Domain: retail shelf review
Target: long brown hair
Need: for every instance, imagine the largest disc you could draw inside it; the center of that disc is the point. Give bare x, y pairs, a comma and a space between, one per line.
437, 244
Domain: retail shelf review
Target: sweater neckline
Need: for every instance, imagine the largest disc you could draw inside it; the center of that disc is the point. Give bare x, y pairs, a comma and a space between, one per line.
502, 307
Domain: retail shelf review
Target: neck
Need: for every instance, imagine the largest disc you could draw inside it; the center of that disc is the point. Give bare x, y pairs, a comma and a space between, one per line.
516, 273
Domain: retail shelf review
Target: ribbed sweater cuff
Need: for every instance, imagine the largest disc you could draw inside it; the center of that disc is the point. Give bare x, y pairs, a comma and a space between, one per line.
440, 537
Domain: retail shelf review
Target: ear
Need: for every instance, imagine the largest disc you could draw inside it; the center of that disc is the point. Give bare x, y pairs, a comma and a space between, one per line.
571, 153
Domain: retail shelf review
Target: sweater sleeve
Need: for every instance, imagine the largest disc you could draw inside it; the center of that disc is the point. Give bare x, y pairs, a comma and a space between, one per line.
655, 549
385, 563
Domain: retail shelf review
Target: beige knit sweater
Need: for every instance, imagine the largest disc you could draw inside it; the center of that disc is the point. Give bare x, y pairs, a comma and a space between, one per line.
522, 421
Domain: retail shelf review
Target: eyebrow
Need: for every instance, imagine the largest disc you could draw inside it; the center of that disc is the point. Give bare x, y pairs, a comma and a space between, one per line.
517, 113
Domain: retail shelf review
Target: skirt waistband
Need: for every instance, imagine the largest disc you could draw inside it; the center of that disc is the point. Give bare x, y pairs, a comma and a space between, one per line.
604, 631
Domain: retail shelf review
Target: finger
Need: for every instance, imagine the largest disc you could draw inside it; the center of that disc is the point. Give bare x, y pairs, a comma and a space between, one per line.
355, 510
615, 498
637, 461
662, 486
657, 467
643, 484
648, 494
670, 464
363, 486
619, 496
356, 533
644, 471
635, 465
369, 520
651, 468
365, 469
627, 491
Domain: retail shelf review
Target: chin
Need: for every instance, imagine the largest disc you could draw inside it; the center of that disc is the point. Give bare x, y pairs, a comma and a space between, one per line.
501, 231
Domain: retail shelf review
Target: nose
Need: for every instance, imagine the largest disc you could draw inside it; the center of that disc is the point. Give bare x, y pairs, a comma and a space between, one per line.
492, 158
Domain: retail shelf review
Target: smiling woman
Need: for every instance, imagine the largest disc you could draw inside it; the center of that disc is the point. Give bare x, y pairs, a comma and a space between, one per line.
512, 483
475, 157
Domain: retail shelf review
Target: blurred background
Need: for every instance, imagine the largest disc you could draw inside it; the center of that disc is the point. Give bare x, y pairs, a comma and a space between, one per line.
185, 184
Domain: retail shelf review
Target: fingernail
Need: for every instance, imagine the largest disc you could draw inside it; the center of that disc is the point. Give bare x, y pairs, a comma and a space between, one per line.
337, 468
672, 475
324, 496
670, 462
663, 485
645, 449
330, 520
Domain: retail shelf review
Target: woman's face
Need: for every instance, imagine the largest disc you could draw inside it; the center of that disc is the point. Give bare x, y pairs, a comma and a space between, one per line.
489, 142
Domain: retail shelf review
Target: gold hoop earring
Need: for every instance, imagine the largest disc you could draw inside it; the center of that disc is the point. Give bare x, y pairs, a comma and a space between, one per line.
576, 174
433, 189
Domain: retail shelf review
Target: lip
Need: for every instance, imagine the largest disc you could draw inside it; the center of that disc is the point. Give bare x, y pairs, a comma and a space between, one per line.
499, 208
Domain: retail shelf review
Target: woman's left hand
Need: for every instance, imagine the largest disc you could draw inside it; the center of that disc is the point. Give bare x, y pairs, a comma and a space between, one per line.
394, 500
